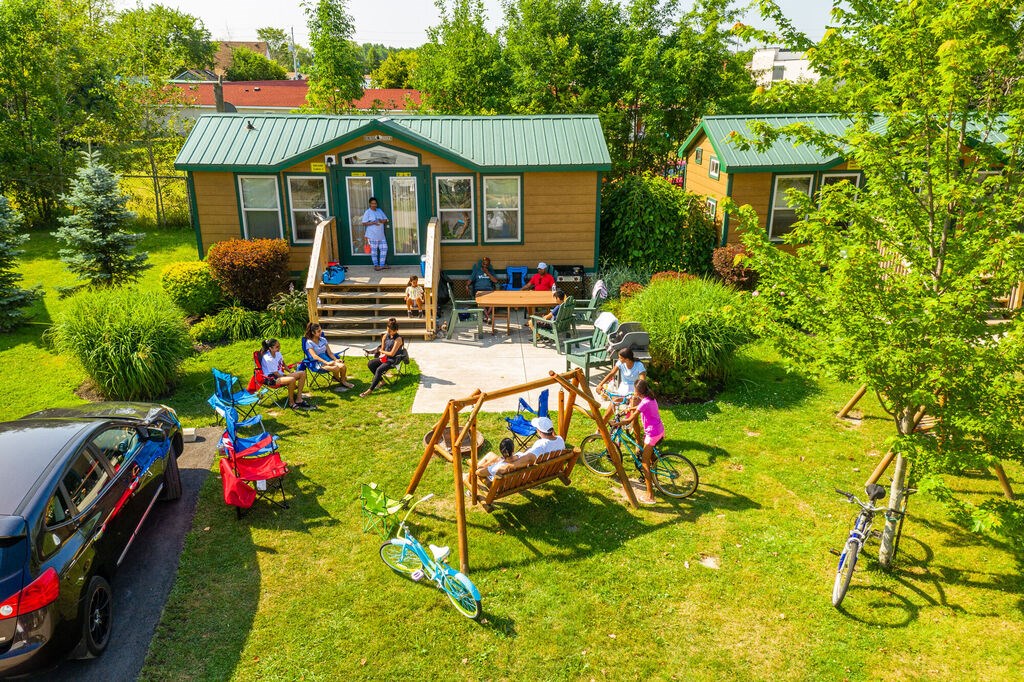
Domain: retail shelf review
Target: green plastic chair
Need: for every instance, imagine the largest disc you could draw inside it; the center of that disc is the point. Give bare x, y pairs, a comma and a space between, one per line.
379, 509
562, 327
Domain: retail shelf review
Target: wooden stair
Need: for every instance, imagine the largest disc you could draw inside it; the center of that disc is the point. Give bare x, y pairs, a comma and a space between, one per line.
359, 311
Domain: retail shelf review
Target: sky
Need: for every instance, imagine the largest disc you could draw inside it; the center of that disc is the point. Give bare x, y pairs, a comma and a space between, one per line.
397, 23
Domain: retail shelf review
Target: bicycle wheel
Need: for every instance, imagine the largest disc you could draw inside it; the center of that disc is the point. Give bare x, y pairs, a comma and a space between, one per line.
595, 455
674, 475
844, 572
462, 593
400, 558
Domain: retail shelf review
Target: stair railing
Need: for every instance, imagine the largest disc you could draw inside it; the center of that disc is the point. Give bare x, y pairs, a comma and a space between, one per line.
324, 251
432, 276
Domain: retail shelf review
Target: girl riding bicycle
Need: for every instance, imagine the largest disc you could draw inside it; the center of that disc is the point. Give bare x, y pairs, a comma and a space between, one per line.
629, 370
644, 405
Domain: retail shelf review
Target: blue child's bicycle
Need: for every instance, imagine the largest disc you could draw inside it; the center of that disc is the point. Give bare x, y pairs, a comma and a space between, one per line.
406, 556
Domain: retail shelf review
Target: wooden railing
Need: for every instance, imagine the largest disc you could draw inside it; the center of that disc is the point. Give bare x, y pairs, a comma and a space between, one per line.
325, 245
432, 275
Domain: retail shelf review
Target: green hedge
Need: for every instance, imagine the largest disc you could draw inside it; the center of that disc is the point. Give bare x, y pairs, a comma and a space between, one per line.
695, 328
192, 287
129, 342
648, 223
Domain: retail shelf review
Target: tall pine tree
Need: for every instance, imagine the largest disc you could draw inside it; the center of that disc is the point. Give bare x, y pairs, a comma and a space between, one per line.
12, 297
99, 251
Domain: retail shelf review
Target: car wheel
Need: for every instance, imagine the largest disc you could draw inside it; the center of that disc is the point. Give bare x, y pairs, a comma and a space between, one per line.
172, 478
98, 616
178, 444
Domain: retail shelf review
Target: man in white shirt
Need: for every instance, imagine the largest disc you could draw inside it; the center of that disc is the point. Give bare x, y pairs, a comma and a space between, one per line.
547, 441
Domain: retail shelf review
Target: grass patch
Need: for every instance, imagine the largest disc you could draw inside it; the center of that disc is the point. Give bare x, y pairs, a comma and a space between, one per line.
302, 594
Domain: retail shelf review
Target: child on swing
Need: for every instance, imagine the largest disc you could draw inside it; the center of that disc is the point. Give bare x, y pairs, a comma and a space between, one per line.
643, 404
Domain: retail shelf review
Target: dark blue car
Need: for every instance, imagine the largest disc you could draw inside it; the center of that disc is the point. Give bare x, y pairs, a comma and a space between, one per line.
76, 485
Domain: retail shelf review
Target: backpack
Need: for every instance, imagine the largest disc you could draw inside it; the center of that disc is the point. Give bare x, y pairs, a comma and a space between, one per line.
334, 274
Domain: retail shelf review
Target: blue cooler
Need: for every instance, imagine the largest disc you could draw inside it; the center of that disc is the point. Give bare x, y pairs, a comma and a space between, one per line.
423, 266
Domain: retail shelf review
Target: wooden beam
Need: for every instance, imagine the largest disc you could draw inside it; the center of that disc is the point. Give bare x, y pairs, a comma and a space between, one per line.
428, 451
511, 390
852, 402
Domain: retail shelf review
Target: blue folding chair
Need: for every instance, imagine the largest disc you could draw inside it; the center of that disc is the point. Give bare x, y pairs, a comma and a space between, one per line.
519, 425
224, 389
251, 467
316, 377
516, 277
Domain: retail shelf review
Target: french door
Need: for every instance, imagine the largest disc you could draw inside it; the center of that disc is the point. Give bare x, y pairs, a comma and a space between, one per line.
404, 198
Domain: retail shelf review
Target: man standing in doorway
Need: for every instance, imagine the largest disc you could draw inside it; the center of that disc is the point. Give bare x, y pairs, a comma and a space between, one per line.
374, 222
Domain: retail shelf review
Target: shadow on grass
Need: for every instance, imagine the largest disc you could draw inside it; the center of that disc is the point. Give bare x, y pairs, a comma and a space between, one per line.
759, 384
304, 509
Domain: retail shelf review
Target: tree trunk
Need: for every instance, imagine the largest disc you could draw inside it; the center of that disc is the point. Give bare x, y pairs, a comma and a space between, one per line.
887, 549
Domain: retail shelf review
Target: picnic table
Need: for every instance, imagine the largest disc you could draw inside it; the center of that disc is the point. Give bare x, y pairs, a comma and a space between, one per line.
514, 299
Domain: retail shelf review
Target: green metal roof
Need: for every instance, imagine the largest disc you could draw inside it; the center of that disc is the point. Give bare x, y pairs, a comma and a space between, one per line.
782, 155
274, 142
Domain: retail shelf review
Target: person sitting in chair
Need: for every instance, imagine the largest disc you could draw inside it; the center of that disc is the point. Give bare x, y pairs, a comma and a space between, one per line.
491, 464
275, 373
542, 281
481, 280
385, 355
319, 354
549, 319
547, 441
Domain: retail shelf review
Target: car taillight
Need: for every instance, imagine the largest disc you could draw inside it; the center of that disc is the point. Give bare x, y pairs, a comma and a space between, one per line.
40, 592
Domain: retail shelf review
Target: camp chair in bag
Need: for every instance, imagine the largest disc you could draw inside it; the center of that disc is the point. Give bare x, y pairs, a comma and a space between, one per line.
317, 378
251, 466
241, 399
275, 395
522, 431
379, 509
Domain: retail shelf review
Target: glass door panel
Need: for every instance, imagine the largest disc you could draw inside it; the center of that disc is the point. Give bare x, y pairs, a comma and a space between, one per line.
359, 190
405, 217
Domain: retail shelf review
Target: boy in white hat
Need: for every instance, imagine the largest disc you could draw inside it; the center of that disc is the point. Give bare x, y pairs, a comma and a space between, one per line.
542, 281
547, 440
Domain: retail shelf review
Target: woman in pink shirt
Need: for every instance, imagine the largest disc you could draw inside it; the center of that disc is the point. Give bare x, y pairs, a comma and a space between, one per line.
644, 405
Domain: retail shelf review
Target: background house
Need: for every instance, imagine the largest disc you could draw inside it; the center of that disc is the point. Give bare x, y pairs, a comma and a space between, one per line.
716, 168
771, 64
282, 97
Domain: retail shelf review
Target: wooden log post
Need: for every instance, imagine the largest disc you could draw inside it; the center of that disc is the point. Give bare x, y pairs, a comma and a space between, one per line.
852, 402
460, 494
428, 451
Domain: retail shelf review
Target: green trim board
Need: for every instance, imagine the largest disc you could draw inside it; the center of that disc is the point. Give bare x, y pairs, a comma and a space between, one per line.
725, 214
483, 208
193, 206
597, 226
490, 144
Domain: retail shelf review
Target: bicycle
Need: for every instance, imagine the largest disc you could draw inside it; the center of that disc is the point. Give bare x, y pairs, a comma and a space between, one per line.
674, 475
859, 535
406, 556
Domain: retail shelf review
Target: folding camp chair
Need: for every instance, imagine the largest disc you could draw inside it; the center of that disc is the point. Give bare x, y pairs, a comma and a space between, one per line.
397, 369
316, 377
379, 509
520, 427
241, 399
275, 395
251, 467
516, 275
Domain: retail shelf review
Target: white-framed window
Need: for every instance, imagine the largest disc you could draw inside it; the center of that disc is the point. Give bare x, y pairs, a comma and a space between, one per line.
379, 156
261, 206
698, 156
307, 197
828, 179
712, 208
503, 215
713, 167
456, 209
782, 214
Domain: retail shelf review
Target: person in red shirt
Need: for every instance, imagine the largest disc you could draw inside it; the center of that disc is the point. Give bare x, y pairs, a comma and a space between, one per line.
542, 281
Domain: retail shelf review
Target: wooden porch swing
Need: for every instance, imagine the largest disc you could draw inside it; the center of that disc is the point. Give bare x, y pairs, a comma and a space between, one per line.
559, 465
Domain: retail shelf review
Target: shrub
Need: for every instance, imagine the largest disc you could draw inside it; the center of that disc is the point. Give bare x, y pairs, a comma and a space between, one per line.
287, 315
616, 274
695, 328
129, 342
250, 271
13, 299
630, 289
672, 275
208, 330
237, 323
192, 287
646, 222
732, 265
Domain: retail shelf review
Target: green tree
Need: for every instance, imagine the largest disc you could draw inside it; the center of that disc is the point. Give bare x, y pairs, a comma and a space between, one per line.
336, 75
462, 68
374, 54
12, 297
52, 76
895, 283
278, 43
99, 250
247, 65
397, 71
157, 42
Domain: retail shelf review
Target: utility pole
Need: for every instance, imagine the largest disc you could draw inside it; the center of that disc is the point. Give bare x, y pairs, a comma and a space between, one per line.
295, 56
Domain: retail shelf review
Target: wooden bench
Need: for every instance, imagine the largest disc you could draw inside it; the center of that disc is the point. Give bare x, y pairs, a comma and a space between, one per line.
549, 466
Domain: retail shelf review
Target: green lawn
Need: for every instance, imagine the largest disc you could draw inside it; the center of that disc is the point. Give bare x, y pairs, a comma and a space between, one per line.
575, 584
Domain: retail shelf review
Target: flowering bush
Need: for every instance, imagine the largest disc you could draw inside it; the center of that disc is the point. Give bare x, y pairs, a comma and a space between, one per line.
630, 289
250, 271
